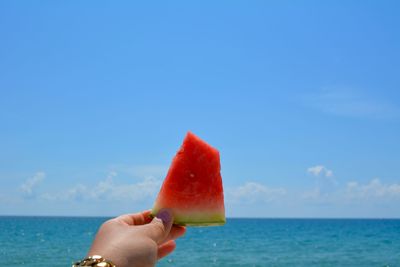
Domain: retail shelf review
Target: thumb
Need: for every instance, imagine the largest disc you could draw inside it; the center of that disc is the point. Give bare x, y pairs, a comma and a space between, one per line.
159, 228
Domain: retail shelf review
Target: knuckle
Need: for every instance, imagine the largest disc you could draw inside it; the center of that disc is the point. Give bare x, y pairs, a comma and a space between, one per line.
108, 223
159, 227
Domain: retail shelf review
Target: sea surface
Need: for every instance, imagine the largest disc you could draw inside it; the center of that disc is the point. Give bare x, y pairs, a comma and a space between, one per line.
58, 241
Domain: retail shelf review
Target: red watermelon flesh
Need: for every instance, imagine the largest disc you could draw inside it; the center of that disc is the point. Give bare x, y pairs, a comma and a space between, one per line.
193, 188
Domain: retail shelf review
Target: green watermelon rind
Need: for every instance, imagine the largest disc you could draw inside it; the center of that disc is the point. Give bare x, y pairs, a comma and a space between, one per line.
196, 218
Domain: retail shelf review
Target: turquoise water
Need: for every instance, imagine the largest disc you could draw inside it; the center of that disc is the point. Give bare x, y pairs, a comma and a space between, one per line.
52, 241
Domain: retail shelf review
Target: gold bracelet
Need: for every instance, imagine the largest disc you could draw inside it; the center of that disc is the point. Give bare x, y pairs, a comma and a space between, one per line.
94, 261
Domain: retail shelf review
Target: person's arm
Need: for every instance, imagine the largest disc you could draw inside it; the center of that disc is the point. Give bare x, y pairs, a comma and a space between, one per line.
136, 240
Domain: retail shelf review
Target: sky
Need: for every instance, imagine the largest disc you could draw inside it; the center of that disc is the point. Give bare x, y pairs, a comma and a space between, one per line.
301, 98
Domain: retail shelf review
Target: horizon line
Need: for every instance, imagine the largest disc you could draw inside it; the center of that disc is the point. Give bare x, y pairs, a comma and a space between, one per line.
228, 218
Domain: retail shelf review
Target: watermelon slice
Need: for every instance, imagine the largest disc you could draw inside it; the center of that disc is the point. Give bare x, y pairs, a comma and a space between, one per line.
193, 188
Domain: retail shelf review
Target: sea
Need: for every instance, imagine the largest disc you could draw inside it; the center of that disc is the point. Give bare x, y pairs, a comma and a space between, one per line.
58, 241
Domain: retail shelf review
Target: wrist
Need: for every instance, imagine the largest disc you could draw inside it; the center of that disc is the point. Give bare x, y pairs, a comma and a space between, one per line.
94, 261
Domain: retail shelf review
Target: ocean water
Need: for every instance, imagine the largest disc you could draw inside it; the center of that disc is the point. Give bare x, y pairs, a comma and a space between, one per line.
58, 241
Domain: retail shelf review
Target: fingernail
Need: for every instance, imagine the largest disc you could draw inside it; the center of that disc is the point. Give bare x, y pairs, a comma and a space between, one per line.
165, 216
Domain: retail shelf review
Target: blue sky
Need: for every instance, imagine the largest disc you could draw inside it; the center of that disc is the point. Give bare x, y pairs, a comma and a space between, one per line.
302, 100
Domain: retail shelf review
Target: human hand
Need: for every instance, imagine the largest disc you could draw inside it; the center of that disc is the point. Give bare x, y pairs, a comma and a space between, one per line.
136, 240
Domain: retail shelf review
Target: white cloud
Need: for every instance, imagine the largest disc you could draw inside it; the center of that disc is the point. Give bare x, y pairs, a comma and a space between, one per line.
147, 188
28, 186
320, 170
374, 189
248, 199
252, 192
108, 189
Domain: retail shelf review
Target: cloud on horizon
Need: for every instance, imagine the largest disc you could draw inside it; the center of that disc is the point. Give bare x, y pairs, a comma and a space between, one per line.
29, 185
252, 192
111, 192
375, 189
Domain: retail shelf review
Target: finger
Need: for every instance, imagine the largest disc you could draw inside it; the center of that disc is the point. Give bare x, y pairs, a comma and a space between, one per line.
176, 232
159, 228
135, 218
165, 249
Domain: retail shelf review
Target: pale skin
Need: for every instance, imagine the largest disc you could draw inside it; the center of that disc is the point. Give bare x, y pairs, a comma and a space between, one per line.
137, 240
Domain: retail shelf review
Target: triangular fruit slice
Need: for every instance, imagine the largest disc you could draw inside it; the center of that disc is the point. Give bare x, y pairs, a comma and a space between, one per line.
193, 188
